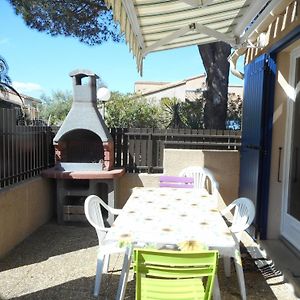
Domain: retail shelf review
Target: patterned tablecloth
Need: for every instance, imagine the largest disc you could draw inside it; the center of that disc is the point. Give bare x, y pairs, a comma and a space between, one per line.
172, 218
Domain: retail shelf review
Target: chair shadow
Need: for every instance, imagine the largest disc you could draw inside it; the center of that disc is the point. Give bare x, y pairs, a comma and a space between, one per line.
255, 280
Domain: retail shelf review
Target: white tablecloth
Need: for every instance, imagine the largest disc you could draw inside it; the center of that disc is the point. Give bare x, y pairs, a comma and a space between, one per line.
167, 217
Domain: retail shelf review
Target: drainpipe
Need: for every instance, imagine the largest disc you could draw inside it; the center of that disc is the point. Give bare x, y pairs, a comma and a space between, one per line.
232, 59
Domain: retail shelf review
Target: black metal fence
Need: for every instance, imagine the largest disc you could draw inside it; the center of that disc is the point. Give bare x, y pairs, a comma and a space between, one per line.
24, 150
142, 149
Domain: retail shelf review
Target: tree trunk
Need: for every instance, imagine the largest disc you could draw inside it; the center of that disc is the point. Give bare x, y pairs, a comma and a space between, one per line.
214, 57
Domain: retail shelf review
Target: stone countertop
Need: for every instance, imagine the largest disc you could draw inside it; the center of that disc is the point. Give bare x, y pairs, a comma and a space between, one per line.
59, 174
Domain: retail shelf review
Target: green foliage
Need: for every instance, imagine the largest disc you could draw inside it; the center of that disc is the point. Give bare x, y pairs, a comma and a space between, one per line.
187, 114
126, 110
4, 78
193, 113
89, 21
132, 111
190, 114
55, 108
234, 112
172, 107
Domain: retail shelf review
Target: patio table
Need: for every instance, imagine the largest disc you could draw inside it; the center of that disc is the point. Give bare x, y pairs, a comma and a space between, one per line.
170, 218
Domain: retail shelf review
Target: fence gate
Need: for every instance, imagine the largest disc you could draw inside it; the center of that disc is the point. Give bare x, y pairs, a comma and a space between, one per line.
256, 137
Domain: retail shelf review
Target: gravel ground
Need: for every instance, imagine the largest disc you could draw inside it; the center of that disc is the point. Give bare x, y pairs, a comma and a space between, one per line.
58, 262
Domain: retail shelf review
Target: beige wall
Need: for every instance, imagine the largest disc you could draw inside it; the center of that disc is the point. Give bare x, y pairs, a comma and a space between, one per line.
278, 140
131, 180
144, 86
175, 91
236, 89
23, 208
195, 83
279, 118
225, 166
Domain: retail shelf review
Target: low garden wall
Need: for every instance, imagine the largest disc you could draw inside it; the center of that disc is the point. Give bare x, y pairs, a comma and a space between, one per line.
225, 165
23, 208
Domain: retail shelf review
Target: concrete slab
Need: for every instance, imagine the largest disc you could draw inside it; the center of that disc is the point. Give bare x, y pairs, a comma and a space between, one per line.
59, 262
285, 260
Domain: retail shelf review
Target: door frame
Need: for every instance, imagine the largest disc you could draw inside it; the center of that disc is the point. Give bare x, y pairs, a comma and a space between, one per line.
289, 227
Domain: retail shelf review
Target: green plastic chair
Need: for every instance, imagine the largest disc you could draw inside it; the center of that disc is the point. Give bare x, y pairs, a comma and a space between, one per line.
174, 275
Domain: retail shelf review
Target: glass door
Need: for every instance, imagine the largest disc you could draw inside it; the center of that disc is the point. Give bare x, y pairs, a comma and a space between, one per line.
291, 199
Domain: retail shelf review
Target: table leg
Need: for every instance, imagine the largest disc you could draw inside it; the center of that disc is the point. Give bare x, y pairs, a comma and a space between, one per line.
124, 274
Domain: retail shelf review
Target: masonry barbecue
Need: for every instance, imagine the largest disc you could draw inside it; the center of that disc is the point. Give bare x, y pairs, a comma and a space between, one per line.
83, 142
84, 153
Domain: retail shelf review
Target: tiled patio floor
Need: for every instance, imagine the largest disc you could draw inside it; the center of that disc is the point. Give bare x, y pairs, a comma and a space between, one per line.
58, 262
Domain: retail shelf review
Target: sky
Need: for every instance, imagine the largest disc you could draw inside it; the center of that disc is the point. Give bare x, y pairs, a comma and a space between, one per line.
40, 63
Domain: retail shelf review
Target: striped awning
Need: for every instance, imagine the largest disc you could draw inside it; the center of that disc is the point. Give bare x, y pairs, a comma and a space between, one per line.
155, 25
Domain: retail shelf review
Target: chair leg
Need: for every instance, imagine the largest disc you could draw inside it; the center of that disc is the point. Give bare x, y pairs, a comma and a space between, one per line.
106, 263
227, 266
99, 268
216, 289
241, 279
124, 274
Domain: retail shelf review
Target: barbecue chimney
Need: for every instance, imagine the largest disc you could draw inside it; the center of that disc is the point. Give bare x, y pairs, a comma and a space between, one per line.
83, 141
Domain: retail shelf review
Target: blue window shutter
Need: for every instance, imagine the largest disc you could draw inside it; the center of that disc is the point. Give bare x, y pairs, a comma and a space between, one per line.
256, 136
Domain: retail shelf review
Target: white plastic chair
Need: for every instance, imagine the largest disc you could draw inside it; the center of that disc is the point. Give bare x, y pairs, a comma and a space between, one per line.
214, 185
92, 209
243, 215
201, 175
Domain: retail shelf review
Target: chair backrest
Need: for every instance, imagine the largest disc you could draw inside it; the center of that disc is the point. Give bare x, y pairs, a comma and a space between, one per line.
243, 215
167, 274
203, 178
93, 213
210, 183
176, 181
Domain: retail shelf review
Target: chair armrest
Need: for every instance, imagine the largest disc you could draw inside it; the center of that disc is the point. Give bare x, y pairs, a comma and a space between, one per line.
110, 209
114, 211
227, 209
97, 227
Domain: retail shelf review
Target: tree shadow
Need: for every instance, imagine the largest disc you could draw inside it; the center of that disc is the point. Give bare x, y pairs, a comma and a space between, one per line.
50, 240
81, 288
53, 240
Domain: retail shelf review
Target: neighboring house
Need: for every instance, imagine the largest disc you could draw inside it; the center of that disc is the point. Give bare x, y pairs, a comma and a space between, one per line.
187, 89
270, 154
9, 99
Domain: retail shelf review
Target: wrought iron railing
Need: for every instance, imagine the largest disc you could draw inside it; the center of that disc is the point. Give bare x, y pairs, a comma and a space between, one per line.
24, 150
